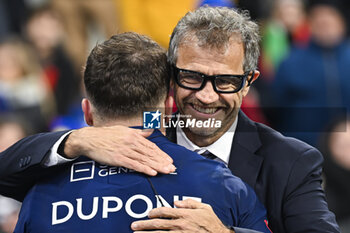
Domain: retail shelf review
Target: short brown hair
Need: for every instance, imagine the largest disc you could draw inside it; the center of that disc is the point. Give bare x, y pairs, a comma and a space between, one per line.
126, 74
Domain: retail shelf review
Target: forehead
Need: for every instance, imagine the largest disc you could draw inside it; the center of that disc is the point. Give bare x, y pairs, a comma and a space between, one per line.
227, 59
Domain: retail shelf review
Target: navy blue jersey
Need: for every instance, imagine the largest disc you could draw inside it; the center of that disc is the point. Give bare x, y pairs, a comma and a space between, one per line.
89, 197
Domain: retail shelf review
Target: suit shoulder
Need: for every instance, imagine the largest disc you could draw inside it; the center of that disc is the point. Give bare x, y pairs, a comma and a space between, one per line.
273, 140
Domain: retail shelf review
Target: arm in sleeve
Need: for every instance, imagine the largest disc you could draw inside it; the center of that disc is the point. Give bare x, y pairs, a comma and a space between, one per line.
245, 205
304, 206
21, 164
54, 158
251, 212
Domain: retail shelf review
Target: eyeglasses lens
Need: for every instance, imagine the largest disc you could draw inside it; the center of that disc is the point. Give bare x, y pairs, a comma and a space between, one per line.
195, 80
228, 84
191, 80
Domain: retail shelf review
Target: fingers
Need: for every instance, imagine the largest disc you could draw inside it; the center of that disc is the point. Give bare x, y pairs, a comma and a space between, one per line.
142, 160
155, 162
136, 152
137, 166
120, 146
152, 156
145, 133
191, 204
165, 212
191, 219
153, 150
164, 224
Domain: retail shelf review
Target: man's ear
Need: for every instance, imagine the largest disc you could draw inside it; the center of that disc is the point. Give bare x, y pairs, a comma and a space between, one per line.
86, 106
251, 78
172, 84
169, 104
254, 76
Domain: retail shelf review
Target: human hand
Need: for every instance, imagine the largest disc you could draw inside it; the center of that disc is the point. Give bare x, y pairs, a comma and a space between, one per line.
190, 216
119, 146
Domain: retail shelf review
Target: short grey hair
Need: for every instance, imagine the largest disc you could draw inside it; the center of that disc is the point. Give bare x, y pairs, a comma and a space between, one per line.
213, 27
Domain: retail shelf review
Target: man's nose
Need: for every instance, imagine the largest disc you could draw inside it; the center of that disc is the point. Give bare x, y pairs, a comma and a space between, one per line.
207, 95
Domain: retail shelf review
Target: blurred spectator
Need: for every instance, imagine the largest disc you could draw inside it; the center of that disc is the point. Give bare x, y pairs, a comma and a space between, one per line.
327, 22
80, 15
287, 27
336, 150
8, 214
12, 129
312, 85
345, 6
22, 87
46, 33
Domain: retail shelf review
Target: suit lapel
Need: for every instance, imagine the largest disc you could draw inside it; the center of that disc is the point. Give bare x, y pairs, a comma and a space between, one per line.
244, 162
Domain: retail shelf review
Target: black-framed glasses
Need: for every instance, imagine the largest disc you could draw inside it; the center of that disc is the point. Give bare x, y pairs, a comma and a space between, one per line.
222, 83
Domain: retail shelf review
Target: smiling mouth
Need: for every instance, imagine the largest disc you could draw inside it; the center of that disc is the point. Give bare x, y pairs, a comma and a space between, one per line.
204, 110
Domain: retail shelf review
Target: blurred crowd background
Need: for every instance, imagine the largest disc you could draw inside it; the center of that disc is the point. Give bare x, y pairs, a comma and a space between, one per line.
303, 90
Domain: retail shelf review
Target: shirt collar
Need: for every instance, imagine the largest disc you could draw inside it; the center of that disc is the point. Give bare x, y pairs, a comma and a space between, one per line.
221, 148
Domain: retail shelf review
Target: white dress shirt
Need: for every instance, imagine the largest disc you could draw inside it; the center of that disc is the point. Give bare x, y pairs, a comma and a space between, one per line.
221, 148
54, 158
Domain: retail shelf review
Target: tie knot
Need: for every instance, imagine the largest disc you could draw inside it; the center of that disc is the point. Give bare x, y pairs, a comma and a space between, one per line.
207, 154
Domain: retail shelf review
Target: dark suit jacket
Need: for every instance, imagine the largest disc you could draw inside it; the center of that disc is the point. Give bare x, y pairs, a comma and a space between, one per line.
285, 173
20, 164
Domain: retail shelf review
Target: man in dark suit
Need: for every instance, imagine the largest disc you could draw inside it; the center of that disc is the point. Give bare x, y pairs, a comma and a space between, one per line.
119, 195
213, 53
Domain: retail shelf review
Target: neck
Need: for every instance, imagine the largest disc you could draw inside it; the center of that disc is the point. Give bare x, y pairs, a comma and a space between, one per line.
125, 121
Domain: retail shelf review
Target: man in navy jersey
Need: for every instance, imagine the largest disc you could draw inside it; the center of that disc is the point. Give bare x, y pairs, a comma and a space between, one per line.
125, 76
